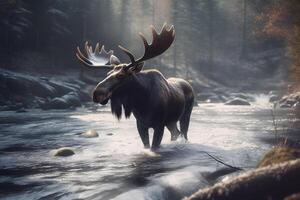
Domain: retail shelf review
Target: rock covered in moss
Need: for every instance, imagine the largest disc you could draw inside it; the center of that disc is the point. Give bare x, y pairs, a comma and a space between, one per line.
273, 181
279, 155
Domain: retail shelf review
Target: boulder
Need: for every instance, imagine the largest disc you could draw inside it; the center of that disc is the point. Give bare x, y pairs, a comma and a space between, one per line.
285, 105
238, 102
64, 152
70, 100
273, 98
56, 103
32, 91
290, 100
90, 134
241, 96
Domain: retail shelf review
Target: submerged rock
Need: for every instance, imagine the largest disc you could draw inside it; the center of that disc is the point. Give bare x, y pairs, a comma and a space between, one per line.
64, 152
90, 134
238, 102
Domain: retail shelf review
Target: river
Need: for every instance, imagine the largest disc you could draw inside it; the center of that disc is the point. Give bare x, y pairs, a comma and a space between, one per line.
115, 165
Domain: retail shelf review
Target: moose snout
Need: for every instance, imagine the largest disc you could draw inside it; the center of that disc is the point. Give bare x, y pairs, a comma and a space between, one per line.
101, 96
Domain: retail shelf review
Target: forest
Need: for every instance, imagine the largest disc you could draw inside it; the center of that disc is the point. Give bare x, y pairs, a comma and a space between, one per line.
77, 126
213, 38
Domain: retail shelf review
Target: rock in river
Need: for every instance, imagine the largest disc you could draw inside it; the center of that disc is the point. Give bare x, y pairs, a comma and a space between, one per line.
238, 102
90, 134
64, 152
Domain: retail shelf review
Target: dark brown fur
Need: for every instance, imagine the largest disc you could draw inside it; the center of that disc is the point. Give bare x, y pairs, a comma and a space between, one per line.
155, 103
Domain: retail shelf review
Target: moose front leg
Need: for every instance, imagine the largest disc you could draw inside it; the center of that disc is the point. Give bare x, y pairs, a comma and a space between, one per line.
144, 134
157, 136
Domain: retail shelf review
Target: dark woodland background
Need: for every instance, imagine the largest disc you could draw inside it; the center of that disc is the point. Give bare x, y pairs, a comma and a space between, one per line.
228, 42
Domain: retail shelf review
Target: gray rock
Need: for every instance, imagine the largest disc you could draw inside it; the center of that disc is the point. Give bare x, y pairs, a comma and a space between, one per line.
70, 100
241, 96
33, 91
90, 134
273, 98
64, 152
238, 102
285, 105
56, 103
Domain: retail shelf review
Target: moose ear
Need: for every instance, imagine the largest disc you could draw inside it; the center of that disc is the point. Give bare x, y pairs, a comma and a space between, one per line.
114, 60
138, 67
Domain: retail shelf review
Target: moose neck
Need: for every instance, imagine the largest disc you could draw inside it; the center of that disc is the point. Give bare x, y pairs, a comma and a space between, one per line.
132, 95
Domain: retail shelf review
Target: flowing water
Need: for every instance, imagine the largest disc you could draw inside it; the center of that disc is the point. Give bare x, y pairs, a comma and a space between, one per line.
115, 165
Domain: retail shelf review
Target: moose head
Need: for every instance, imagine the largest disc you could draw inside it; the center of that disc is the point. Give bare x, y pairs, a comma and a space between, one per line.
121, 73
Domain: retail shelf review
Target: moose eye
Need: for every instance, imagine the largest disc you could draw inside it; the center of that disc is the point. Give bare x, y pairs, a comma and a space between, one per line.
120, 75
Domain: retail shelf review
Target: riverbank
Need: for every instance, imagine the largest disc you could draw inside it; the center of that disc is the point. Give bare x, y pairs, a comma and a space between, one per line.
277, 175
21, 91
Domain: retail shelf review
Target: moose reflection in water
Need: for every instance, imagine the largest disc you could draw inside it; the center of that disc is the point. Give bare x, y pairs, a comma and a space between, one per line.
155, 101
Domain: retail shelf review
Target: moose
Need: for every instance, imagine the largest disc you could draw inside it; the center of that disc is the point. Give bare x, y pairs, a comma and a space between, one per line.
155, 101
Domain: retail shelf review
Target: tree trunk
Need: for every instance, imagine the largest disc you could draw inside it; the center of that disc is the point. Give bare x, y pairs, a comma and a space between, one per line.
271, 182
37, 36
210, 34
244, 32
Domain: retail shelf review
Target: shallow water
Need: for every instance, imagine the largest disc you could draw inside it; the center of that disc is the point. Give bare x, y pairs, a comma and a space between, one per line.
115, 165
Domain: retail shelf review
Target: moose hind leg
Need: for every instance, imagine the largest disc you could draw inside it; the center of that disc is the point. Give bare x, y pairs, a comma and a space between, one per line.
157, 136
185, 119
172, 127
144, 134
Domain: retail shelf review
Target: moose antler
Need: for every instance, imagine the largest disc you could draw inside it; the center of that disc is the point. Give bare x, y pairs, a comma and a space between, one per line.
97, 58
160, 43
100, 58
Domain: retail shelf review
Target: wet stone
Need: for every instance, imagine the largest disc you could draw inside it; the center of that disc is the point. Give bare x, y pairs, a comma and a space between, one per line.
64, 152
238, 102
90, 134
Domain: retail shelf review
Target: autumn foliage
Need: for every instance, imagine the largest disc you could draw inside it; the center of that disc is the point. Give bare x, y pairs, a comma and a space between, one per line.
282, 19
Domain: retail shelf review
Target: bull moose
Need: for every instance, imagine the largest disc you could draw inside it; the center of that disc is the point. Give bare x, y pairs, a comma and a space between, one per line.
155, 101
